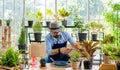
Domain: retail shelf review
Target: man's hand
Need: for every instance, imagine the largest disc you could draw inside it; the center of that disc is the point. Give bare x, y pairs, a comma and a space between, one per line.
77, 46
65, 50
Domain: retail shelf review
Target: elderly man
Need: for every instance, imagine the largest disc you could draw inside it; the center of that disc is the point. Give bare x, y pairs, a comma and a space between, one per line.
56, 43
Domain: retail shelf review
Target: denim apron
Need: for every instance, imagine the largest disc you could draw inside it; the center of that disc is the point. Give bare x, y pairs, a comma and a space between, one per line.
59, 56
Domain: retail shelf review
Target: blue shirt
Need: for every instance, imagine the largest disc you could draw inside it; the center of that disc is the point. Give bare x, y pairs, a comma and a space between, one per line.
50, 40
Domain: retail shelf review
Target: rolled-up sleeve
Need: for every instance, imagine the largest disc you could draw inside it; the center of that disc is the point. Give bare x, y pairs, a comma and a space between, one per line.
48, 45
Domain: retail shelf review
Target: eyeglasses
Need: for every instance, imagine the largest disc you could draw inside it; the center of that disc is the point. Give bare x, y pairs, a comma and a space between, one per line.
55, 32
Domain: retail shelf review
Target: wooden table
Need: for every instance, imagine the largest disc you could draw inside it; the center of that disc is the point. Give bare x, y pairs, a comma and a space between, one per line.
49, 66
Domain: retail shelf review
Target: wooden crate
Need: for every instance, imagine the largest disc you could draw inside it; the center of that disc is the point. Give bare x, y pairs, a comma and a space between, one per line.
107, 67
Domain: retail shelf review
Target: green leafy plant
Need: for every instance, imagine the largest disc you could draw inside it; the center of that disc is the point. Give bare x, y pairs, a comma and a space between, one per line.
22, 37
49, 13
79, 23
96, 27
39, 16
116, 53
108, 49
29, 15
108, 39
37, 26
10, 58
116, 6
8, 21
111, 15
90, 47
63, 12
75, 56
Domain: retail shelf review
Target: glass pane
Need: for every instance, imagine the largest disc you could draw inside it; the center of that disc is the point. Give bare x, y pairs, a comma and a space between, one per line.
96, 8
18, 9
50, 6
61, 3
40, 5
71, 7
29, 8
1, 9
8, 9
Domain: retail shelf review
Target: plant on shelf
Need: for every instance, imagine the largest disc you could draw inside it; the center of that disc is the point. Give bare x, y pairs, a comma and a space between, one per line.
37, 26
64, 13
30, 18
75, 59
49, 14
96, 27
79, 23
8, 21
29, 15
11, 58
81, 27
22, 39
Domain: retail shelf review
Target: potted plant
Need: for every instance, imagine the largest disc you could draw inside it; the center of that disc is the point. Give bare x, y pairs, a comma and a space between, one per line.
90, 47
22, 41
108, 47
8, 21
10, 60
64, 13
75, 59
37, 26
95, 28
30, 20
108, 50
49, 14
81, 26
0, 22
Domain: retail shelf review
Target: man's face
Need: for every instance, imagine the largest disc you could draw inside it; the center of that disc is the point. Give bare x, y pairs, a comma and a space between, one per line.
56, 33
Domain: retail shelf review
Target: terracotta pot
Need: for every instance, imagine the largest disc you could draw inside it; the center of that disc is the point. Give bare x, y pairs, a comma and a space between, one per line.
106, 59
75, 65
